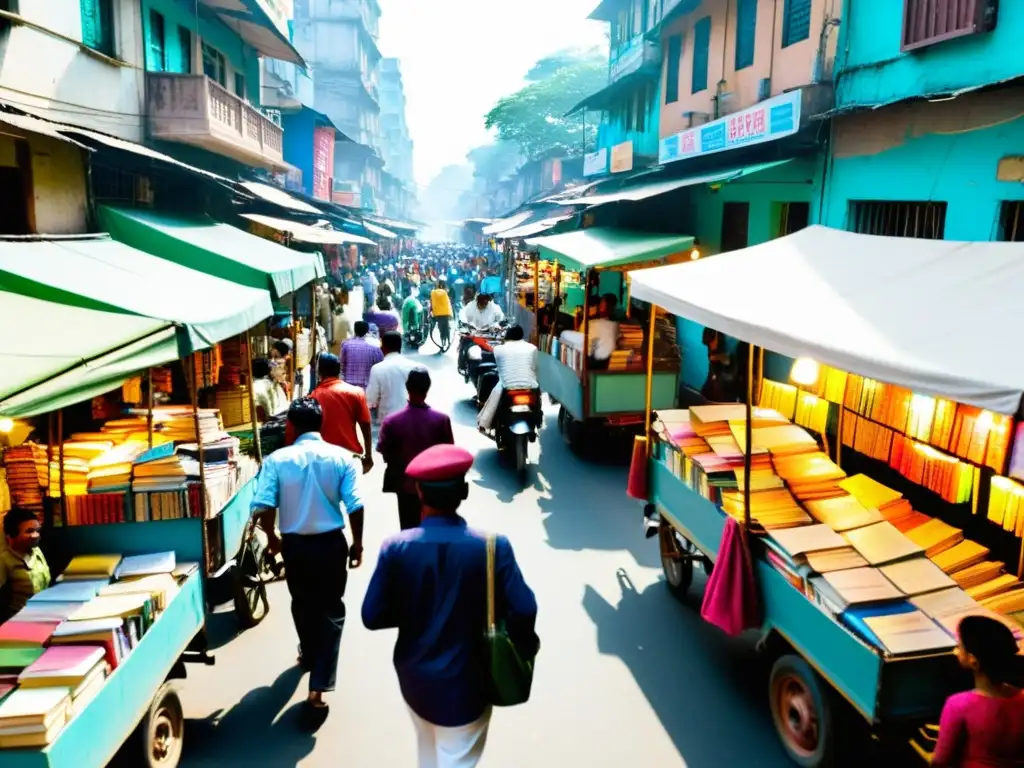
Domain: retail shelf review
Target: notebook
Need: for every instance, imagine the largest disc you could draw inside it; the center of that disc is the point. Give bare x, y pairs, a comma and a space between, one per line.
87, 567
145, 565
881, 543
963, 555
34, 706
160, 586
869, 492
843, 513
112, 607
1002, 583
47, 612
69, 592
835, 560
917, 576
61, 665
908, 633
935, 536
25, 634
16, 659
1006, 603
808, 538
862, 585
948, 602
978, 573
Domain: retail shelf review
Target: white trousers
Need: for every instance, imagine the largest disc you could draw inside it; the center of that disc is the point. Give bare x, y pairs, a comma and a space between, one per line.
460, 747
490, 409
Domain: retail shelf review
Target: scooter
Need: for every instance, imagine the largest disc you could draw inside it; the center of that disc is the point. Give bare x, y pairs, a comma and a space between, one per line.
516, 423
416, 336
479, 357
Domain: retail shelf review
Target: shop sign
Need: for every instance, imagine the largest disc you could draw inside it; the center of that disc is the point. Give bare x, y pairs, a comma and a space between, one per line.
595, 162
622, 157
556, 172
323, 162
346, 198
767, 121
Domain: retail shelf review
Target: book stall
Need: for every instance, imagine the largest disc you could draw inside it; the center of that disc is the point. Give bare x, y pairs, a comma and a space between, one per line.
571, 273
878, 489
123, 439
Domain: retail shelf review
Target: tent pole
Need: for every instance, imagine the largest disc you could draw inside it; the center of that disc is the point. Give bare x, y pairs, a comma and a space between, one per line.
749, 437
294, 368
650, 378
149, 406
60, 465
194, 394
252, 399
315, 325
536, 299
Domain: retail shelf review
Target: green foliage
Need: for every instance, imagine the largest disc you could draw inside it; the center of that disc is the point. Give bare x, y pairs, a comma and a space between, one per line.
492, 162
534, 118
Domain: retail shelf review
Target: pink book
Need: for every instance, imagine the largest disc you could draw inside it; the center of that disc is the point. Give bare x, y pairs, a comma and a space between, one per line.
25, 634
64, 661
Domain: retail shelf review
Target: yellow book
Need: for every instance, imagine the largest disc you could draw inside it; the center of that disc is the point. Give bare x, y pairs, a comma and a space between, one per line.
1002, 583
91, 566
869, 492
112, 606
963, 555
935, 536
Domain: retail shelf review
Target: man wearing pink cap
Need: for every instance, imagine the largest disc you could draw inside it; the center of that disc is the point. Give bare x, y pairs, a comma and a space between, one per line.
431, 583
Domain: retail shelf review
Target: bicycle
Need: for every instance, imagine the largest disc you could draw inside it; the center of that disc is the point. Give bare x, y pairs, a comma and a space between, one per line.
443, 344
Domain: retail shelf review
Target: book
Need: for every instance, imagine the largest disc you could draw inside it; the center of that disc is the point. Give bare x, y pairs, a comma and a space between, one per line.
61, 665
963, 555
1002, 583
935, 536
25, 634
976, 574
16, 659
91, 567
161, 587
23, 738
835, 560
808, 538
46, 612
917, 576
115, 606
145, 565
862, 585
909, 633
70, 591
881, 543
1006, 603
843, 513
34, 707
869, 492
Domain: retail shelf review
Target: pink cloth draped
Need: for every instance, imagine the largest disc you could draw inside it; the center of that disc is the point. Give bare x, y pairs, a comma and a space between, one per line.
732, 601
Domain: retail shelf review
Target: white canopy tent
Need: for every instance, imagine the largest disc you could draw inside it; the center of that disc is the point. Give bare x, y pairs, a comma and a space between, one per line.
938, 317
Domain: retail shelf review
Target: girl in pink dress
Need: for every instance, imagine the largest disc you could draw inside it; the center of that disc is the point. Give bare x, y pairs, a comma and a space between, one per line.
984, 728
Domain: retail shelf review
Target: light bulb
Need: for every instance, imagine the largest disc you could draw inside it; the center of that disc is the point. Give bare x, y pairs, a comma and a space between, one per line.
694, 254
804, 372
6, 425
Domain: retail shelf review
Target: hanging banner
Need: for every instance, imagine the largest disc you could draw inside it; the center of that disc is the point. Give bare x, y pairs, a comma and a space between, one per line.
770, 120
595, 162
622, 157
323, 162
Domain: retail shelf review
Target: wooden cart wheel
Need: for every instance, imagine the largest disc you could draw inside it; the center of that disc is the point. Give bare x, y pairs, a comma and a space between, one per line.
677, 567
801, 711
162, 730
251, 575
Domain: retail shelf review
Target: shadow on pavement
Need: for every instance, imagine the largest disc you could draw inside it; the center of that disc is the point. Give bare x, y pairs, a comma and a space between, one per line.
258, 730
586, 506
699, 682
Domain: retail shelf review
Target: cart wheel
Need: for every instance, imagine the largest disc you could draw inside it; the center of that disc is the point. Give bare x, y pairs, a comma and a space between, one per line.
162, 730
801, 711
573, 432
677, 568
252, 572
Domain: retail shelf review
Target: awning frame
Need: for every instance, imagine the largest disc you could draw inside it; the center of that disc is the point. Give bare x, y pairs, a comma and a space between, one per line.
564, 248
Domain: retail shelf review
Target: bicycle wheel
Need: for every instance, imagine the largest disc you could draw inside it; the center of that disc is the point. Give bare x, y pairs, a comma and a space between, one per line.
435, 336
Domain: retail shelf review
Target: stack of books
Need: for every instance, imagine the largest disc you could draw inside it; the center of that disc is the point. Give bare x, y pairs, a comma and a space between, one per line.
111, 472
810, 476
80, 668
27, 469
77, 455
32, 717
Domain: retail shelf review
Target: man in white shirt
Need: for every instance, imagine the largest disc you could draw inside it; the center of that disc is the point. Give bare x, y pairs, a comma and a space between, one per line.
482, 313
386, 390
517, 368
604, 333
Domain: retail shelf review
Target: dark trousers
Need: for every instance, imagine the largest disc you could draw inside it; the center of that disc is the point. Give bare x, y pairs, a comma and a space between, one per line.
409, 510
316, 569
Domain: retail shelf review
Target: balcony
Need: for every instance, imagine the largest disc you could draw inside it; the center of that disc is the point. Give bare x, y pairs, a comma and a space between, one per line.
638, 55
192, 109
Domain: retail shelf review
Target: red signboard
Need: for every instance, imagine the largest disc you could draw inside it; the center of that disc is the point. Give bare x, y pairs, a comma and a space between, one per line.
323, 162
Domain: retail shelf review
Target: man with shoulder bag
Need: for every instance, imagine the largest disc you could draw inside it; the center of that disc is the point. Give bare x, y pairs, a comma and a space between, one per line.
465, 615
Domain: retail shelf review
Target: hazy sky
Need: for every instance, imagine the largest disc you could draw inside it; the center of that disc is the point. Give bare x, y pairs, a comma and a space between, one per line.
460, 56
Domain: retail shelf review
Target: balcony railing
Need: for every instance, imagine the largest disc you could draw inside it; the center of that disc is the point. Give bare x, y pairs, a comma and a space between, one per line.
193, 109
637, 55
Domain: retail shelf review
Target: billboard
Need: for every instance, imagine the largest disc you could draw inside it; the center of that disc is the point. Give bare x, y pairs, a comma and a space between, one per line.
323, 162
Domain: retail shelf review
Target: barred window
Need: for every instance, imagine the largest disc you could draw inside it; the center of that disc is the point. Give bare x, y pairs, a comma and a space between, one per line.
926, 220
1011, 221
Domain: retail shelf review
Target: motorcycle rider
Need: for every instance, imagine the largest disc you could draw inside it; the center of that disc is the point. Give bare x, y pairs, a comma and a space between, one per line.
483, 315
516, 360
412, 315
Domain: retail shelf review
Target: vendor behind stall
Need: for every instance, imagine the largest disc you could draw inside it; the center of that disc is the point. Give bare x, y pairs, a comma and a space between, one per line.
23, 568
604, 333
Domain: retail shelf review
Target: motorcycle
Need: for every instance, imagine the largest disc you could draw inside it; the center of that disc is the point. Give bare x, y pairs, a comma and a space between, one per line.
478, 354
516, 422
416, 335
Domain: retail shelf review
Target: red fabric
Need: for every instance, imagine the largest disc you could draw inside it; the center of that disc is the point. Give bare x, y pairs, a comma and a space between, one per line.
978, 731
439, 463
636, 485
731, 601
344, 407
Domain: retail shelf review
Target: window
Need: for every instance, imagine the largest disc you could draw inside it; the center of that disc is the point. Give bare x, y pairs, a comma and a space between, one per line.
746, 30
735, 226
98, 25
1011, 221
793, 217
214, 66
926, 220
926, 22
701, 41
182, 62
796, 21
675, 55
240, 85
156, 60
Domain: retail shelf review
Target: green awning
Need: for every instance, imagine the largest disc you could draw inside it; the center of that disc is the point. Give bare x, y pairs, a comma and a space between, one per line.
216, 249
102, 274
54, 355
607, 247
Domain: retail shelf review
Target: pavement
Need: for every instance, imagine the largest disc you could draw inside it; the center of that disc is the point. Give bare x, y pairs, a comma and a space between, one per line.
627, 676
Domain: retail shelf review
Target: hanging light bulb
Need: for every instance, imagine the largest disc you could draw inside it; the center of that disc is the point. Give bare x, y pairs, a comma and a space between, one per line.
6, 425
804, 372
694, 253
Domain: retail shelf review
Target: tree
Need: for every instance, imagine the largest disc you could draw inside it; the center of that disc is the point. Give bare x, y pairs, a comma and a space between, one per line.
492, 162
534, 116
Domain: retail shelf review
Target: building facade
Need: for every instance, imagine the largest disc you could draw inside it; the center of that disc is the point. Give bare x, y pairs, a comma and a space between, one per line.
396, 142
339, 39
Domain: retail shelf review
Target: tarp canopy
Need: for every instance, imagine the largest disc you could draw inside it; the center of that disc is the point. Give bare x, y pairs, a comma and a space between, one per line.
938, 317
607, 247
279, 197
216, 249
654, 188
304, 233
54, 355
526, 230
379, 231
100, 273
250, 21
507, 223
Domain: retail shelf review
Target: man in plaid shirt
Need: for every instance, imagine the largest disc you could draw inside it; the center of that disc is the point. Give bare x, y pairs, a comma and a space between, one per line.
358, 356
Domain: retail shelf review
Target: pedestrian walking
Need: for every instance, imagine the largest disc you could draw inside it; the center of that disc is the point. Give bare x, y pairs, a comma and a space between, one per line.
431, 583
386, 389
312, 485
406, 434
359, 355
346, 416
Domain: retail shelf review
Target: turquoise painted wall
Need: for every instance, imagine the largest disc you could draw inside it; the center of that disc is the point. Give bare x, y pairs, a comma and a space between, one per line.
613, 132
242, 57
872, 70
958, 168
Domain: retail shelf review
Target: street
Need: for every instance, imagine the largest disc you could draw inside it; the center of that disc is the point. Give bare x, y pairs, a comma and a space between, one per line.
626, 675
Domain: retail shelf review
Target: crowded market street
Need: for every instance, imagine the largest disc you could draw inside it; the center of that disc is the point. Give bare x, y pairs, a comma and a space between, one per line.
626, 675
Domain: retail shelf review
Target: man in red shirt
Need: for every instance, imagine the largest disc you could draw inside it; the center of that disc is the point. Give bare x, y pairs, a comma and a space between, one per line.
346, 414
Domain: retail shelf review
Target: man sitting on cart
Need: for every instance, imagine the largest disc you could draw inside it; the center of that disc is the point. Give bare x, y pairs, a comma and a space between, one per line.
23, 569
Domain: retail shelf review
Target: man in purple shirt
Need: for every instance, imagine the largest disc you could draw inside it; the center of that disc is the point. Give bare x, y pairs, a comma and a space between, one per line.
431, 583
382, 317
404, 436
358, 356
